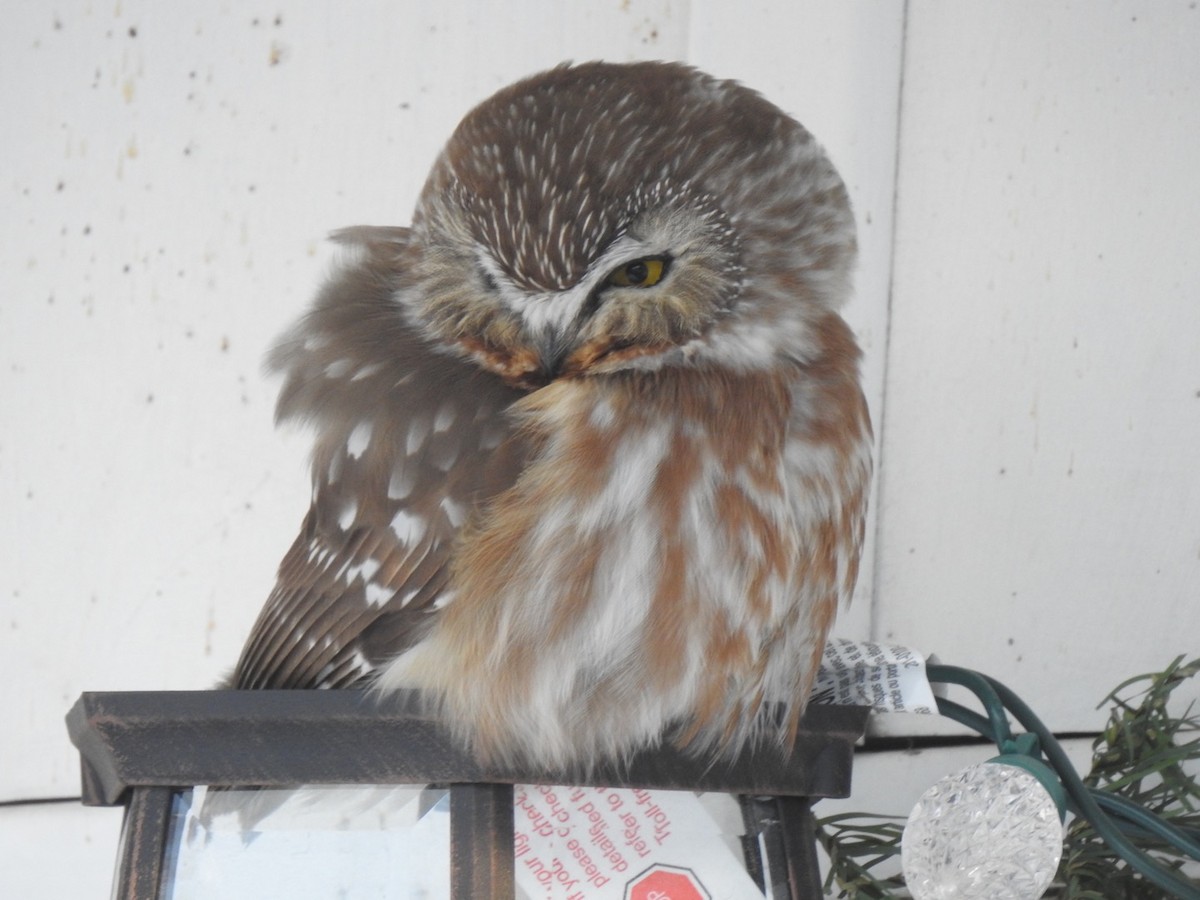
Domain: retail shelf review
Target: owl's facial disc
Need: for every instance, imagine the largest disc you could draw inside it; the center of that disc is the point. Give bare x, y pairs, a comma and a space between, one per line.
667, 281
558, 327
558, 337
665, 277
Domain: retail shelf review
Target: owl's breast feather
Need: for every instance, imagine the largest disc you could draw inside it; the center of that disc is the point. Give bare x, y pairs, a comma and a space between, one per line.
674, 551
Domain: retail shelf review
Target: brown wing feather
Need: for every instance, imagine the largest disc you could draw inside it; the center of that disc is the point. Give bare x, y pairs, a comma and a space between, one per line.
411, 444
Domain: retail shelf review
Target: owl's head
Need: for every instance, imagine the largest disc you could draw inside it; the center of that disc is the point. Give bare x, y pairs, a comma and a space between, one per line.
599, 218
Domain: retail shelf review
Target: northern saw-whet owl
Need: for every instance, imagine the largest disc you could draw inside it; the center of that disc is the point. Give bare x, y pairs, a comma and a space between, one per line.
591, 455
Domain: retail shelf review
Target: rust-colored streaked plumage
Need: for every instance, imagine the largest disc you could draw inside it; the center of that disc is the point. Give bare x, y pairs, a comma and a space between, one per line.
591, 457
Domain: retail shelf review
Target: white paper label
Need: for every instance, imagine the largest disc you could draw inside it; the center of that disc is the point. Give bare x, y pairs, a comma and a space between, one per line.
884, 677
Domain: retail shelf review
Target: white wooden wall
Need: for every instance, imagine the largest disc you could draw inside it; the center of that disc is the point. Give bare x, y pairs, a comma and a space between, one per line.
1040, 491
1029, 301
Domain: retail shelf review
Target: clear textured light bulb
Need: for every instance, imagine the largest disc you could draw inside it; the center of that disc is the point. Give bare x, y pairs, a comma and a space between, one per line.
991, 832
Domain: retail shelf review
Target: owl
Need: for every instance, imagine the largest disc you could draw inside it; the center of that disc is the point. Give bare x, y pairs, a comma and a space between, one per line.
591, 455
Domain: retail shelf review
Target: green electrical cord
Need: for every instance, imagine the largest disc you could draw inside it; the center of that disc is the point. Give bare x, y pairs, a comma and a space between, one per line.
1088, 803
978, 685
1143, 823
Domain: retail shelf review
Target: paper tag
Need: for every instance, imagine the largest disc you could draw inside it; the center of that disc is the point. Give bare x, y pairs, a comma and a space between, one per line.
619, 844
884, 677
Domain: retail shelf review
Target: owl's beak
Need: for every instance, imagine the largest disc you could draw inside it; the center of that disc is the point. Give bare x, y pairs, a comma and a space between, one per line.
552, 349
554, 324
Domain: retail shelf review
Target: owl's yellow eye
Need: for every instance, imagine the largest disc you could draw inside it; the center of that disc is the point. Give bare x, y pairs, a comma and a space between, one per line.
645, 272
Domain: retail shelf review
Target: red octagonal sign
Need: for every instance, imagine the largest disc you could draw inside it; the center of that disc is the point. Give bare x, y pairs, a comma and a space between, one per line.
666, 883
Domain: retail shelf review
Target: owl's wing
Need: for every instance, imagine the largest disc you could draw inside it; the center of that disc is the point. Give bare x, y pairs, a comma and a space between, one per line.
411, 443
